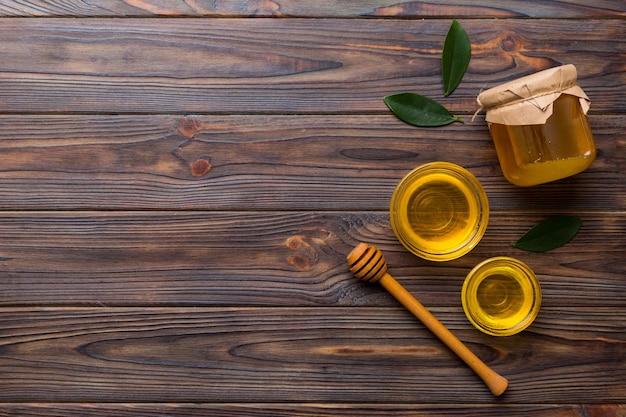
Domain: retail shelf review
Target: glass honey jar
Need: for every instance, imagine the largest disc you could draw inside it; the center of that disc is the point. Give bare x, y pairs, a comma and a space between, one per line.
539, 126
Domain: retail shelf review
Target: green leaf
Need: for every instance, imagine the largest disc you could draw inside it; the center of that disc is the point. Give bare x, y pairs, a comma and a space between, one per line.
549, 234
455, 59
419, 110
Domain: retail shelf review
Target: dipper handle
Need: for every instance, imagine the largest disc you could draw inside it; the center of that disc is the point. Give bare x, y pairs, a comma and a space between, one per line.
367, 263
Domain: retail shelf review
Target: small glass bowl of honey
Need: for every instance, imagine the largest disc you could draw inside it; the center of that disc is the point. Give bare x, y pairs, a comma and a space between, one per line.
501, 296
439, 211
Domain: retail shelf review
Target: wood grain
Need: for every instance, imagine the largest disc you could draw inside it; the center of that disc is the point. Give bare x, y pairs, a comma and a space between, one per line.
283, 259
320, 8
181, 181
273, 162
284, 65
309, 410
258, 355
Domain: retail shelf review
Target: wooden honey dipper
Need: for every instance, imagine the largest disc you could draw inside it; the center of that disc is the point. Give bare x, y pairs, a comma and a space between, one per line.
367, 263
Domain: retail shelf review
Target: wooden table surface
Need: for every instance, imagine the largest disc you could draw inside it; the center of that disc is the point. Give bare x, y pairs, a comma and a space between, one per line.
180, 184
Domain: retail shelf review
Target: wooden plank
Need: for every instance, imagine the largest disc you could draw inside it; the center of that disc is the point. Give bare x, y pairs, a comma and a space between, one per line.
275, 259
185, 255
290, 66
301, 355
246, 162
310, 410
320, 8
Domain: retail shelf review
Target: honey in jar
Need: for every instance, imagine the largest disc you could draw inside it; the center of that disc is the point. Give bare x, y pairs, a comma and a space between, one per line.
439, 211
539, 126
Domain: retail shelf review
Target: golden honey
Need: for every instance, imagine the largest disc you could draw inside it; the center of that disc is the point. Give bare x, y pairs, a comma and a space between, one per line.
439, 211
539, 127
534, 154
501, 296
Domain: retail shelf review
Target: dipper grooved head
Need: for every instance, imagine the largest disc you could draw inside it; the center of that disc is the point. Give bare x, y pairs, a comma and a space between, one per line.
367, 263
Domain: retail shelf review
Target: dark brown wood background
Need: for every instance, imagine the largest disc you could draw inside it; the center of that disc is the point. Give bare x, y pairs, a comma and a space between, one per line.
181, 181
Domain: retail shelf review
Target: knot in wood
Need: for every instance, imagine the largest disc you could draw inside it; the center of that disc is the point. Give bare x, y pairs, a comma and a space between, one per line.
510, 43
200, 167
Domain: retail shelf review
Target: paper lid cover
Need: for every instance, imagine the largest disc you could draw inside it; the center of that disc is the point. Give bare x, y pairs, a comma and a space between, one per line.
528, 100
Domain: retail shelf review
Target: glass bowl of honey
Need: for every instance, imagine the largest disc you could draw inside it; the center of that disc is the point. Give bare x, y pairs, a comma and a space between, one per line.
501, 296
439, 211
